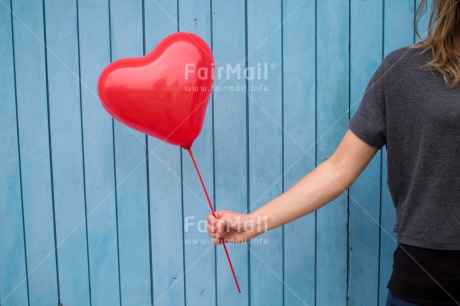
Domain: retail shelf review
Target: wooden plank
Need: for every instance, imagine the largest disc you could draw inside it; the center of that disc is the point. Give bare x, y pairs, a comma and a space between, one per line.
299, 144
31, 84
398, 27
364, 196
195, 17
98, 154
265, 145
13, 270
165, 182
229, 41
66, 148
131, 169
332, 120
33, 128
283, 258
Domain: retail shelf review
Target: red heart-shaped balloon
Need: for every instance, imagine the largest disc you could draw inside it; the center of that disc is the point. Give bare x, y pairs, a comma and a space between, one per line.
164, 93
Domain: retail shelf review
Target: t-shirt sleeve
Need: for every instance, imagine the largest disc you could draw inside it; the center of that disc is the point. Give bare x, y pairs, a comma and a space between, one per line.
369, 122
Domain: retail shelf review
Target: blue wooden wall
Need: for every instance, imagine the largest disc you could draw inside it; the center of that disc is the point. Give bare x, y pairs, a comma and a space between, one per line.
93, 213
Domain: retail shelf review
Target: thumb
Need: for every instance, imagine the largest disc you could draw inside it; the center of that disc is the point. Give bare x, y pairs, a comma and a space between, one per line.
223, 222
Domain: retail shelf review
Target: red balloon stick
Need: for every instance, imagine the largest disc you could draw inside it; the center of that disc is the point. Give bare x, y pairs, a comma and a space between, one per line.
213, 213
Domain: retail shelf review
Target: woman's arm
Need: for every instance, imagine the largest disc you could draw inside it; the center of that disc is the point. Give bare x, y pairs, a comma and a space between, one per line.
327, 181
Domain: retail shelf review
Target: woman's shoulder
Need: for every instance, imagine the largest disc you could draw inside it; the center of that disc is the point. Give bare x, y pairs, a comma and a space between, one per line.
405, 55
407, 62
399, 54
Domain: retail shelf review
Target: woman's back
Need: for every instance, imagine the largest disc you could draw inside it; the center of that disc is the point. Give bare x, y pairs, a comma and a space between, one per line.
411, 110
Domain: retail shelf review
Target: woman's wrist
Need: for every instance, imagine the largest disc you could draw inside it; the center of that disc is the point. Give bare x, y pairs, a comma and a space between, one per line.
259, 223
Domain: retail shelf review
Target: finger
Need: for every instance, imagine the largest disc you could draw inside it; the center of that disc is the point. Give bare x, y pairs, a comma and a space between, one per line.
211, 228
211, 219
212, 235
221, 225
216, 241
220, 214
219, 234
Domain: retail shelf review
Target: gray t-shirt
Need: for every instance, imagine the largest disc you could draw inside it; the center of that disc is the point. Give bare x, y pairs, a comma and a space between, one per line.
409, 109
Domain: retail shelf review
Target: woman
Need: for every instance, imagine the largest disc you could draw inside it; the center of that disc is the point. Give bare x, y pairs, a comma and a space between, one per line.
411, 106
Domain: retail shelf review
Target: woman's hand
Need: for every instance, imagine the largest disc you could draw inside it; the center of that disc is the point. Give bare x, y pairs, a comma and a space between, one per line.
232, 227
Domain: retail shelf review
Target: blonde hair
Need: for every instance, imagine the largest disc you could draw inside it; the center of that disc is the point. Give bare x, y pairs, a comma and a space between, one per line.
443, 37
